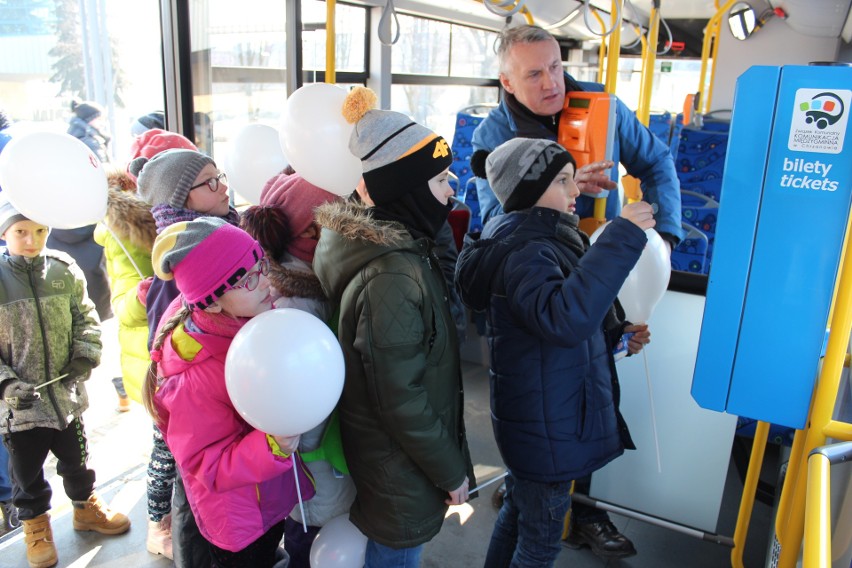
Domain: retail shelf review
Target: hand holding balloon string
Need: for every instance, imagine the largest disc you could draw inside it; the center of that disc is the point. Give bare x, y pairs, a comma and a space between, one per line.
459, 495
288, 444
640, 338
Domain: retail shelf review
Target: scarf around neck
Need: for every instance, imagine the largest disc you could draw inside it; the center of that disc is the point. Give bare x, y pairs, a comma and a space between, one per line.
568, 232
165, 216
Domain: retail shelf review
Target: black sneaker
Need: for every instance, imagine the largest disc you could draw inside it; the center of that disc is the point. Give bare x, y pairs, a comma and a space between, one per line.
603, 538
10, 517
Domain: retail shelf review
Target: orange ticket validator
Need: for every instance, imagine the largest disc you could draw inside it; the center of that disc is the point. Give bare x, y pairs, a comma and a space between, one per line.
587, 127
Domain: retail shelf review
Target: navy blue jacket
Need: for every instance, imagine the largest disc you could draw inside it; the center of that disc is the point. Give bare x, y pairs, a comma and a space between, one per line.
554, 392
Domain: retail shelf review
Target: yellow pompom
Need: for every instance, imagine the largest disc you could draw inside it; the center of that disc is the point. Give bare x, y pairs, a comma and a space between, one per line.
357, 103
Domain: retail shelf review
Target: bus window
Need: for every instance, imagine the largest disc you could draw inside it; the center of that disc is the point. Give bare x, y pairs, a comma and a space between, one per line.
439, 68
50, 58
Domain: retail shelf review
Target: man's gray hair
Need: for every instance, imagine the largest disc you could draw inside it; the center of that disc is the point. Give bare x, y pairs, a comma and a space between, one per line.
519, 34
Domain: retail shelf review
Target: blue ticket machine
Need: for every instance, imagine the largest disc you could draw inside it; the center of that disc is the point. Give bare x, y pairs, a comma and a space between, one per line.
786, 199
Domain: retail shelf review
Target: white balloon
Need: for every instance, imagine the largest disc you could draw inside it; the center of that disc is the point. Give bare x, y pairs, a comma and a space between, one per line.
54, 179
254, 158
315, 138
339, 544
647, 282
284, 372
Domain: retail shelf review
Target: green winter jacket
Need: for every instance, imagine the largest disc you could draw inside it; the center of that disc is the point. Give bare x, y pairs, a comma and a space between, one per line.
401, 409
46, 319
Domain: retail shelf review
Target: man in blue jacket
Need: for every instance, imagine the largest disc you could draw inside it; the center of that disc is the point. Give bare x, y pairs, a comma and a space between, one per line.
534, 87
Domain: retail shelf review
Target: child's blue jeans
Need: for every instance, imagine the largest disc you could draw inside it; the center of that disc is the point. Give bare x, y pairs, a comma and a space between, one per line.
5, 482
381, 556
529, 526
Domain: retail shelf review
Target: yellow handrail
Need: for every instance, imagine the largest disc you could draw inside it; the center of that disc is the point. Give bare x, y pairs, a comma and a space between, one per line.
708, 99
755, 463
818, 513
330, 74
649, 61
613, 48
705, 49
789, 530
641, 104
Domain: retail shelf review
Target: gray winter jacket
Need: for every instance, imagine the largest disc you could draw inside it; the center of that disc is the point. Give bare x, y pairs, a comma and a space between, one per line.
46, 319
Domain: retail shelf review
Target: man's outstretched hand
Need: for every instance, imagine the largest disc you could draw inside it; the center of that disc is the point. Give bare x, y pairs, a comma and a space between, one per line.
594, 178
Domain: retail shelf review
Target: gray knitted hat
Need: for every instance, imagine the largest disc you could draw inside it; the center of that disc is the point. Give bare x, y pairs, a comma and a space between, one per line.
167, 177
8, 215
522, 169
384, 138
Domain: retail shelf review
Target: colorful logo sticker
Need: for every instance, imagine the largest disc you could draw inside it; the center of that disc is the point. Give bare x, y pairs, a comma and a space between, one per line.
819, 120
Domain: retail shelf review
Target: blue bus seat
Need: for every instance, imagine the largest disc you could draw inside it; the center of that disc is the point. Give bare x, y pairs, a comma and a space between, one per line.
690, 255
660, 123
467, 120
701, 212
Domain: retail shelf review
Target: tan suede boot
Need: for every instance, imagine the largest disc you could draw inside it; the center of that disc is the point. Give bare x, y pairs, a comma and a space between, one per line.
41, 552
94, 515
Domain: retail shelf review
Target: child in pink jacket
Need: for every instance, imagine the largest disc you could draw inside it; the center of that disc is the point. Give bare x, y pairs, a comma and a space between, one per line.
239, 481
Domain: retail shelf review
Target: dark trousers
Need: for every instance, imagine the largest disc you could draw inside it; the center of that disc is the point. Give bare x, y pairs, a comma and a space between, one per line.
28, 450
190, 549
584, 514
298, 543
259, 554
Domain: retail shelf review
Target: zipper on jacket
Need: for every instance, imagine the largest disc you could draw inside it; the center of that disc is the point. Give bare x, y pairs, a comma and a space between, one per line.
46, 351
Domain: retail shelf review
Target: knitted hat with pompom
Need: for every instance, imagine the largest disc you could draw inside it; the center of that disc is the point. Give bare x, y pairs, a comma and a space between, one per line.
394, 150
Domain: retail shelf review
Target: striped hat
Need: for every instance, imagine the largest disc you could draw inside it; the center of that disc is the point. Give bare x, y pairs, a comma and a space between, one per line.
206, 257
396, 153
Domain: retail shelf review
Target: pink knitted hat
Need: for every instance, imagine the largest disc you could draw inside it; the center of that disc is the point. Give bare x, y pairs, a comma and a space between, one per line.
298, 198
154, 141
206, 256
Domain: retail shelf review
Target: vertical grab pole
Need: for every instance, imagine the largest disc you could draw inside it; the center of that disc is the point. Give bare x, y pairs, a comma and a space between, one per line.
648, 64
709, 36
330, 42
755, 463
825, 396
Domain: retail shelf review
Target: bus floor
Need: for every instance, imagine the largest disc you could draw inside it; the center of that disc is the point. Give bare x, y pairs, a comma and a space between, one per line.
120, 444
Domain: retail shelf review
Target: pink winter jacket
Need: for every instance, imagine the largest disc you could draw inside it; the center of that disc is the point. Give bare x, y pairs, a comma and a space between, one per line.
235, 485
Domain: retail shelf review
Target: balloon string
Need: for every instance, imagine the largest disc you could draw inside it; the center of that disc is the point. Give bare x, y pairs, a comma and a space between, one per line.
121, 244
489, 482
653, 412
299, 491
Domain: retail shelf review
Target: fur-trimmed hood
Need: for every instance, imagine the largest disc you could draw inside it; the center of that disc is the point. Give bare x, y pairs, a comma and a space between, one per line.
352, 221
350, 239
128, 216
294, 283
